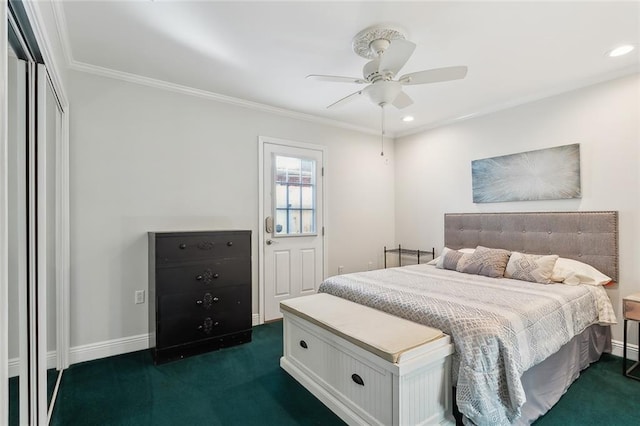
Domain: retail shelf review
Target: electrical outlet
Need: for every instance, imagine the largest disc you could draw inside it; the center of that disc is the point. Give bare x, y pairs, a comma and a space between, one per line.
370, 266
340, 269
139, 297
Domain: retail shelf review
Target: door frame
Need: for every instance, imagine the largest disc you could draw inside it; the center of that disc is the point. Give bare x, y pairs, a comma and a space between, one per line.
262, 140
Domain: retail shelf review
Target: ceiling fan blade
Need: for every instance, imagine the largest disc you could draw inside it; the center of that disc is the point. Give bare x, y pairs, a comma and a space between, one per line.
396, 55
402, 100
434, 76
335, 78
346, 99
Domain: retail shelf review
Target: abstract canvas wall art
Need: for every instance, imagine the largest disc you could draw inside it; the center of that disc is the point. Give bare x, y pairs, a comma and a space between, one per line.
544, 174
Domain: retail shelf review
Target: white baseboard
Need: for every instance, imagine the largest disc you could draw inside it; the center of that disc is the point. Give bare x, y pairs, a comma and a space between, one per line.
118, 346
617, 347
108, 348
102, 349
140, 342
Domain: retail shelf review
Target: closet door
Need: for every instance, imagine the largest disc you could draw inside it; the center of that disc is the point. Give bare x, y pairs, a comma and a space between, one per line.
17, 240
38, 211
34, 239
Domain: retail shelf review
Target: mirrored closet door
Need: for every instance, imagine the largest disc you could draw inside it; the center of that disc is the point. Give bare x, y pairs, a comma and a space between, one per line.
17, 236
37, 229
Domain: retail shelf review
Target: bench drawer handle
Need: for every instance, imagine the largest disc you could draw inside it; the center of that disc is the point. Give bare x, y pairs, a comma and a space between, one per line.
357, 379
303, 344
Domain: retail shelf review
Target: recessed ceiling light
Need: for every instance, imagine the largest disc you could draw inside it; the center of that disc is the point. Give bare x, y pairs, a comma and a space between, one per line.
407, 118
621, 50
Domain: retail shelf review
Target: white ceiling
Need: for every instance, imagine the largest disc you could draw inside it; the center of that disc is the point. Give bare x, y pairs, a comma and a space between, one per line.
261, 51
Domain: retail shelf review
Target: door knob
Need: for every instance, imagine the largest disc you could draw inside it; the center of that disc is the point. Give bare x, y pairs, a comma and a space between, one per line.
269, 242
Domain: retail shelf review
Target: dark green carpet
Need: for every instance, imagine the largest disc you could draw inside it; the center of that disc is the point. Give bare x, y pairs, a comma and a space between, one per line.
600, 396
244, 385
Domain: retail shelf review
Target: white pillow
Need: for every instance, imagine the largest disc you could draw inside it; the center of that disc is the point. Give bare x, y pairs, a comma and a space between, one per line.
573, 272
530, 267
440, 259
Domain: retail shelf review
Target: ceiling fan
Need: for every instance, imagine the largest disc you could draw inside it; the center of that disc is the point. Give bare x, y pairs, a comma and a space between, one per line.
388, 51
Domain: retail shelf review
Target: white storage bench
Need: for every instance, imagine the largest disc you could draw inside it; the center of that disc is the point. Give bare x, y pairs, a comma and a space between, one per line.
367, 366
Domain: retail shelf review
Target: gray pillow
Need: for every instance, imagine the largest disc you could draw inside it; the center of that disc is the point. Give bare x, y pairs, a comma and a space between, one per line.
531, 267
484, 261
449, 259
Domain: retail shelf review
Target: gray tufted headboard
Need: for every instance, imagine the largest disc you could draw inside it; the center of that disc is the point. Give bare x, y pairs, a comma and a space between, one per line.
590, 237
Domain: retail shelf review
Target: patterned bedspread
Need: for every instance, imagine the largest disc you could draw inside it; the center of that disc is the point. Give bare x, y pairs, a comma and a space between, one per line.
500, 327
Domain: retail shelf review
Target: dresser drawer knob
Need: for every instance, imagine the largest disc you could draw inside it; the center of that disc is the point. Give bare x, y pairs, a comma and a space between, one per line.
207, 302
182, 246
303, 344
357, 379
216, 275
208, 325
199, 278
229, 243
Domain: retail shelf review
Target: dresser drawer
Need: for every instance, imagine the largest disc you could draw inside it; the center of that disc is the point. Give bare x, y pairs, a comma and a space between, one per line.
178, 248
189, 327
205, 275
205, 302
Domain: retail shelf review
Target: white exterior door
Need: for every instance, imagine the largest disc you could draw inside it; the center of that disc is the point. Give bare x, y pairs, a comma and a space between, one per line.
292, 228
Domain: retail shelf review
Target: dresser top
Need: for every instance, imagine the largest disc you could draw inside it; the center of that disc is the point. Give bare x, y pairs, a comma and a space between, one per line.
179, 233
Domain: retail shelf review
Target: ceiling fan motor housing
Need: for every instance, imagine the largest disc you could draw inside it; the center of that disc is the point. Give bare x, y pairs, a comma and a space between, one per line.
370, 70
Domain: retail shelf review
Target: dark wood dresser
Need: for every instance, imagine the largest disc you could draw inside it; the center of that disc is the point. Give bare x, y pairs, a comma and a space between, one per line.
199, 292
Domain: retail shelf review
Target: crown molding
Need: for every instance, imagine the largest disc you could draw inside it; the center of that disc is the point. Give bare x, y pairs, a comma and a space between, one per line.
559, 90
191, 91
61, 28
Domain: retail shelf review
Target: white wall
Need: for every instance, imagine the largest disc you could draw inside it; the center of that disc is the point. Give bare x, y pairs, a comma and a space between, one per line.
145, 159
433, 168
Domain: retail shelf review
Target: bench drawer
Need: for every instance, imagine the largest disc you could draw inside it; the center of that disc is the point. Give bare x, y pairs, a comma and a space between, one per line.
365, 386
306, 349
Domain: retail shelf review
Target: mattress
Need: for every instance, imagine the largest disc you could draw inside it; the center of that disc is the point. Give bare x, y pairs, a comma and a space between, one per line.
500, 327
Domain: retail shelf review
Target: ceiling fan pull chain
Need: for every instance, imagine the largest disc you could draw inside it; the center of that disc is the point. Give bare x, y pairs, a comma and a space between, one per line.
382, 131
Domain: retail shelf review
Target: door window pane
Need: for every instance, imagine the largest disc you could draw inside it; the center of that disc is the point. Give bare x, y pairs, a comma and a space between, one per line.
280, 227
307, 199
308, 220
294, 221
281, 195
294, 195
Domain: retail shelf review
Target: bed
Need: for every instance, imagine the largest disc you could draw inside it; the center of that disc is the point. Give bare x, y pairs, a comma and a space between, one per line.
519, 344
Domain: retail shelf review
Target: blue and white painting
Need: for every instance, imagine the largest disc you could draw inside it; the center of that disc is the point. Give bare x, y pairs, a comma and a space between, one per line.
544, 174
